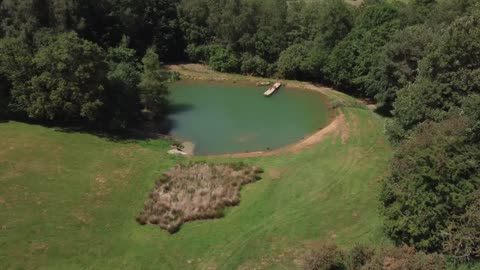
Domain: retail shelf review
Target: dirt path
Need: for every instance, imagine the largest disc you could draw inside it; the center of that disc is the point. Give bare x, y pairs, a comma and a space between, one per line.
337, 127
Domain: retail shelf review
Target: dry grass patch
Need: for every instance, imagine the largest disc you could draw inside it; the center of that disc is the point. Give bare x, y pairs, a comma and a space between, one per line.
195, 191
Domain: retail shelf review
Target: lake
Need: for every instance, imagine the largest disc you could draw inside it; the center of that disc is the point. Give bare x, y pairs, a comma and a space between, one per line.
222, 118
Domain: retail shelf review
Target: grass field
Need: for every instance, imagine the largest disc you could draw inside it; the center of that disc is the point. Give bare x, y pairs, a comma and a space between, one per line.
69, 201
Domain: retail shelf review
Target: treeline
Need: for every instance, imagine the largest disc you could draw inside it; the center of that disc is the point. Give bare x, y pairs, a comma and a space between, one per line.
371, 51
87, 63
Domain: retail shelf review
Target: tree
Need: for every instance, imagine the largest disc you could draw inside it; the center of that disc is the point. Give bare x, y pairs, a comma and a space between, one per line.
255, 65
153, 92
223, 60
335, 21
4, 96
66, 83
291, 60
461, 237
433, 178
15, 68
471, 109
447, 74
354, 57
23, 17
124, 72
398, 63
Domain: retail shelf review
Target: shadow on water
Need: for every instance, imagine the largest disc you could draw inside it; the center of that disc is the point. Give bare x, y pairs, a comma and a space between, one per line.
180, 108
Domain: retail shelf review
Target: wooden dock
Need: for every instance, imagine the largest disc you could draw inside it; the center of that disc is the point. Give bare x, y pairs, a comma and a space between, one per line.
272, 89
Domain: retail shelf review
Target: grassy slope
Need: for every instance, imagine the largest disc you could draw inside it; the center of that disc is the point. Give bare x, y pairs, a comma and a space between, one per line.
68, 201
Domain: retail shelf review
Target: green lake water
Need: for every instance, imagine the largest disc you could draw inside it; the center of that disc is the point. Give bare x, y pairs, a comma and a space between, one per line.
224, 118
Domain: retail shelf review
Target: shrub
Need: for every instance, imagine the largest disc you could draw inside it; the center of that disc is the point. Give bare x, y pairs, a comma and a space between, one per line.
200, 53
461, 238
222, 59
174, 76
404, 258
254, 65
290, 61
361, 257
325, 257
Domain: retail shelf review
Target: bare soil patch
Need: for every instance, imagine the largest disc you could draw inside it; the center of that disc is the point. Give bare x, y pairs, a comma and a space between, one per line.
195, 191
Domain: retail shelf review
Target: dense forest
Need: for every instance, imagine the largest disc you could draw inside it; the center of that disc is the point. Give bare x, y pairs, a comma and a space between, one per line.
99, 63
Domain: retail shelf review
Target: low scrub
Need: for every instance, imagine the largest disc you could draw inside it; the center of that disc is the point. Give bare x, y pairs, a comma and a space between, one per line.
330, 257
195, 191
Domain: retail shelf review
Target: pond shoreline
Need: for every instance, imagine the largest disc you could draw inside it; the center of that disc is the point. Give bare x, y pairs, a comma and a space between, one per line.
336, 124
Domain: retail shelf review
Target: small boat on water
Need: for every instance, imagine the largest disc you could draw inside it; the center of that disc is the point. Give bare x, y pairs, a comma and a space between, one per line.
272, 89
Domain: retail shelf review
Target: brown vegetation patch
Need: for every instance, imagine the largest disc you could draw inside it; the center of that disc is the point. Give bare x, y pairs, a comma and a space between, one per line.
82, 217
275, 174
195, 191
38, 247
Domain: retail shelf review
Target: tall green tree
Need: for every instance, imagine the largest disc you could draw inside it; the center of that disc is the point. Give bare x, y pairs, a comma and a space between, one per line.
354, 57
397, 64
122, 106
153, 91
4, 96
290, 63
448, 73
434, 178
66, 83
23, 17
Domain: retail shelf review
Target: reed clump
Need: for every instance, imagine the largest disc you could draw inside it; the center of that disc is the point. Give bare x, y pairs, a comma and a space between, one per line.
195, 191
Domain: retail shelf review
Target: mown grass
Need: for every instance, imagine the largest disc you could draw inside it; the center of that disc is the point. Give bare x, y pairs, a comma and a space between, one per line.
69, 201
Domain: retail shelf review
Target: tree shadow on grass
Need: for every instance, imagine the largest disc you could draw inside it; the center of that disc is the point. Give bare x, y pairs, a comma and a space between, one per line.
384, 111
148, 130
143, 130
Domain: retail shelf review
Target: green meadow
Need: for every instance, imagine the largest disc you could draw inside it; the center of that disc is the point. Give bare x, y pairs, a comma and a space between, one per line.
69, 200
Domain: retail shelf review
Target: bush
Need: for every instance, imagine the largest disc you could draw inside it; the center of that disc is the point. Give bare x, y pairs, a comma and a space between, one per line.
174, 76
404, 258
223, 60
200, 53
361, 257
290, 61
461, 238
254, 65
325, 257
